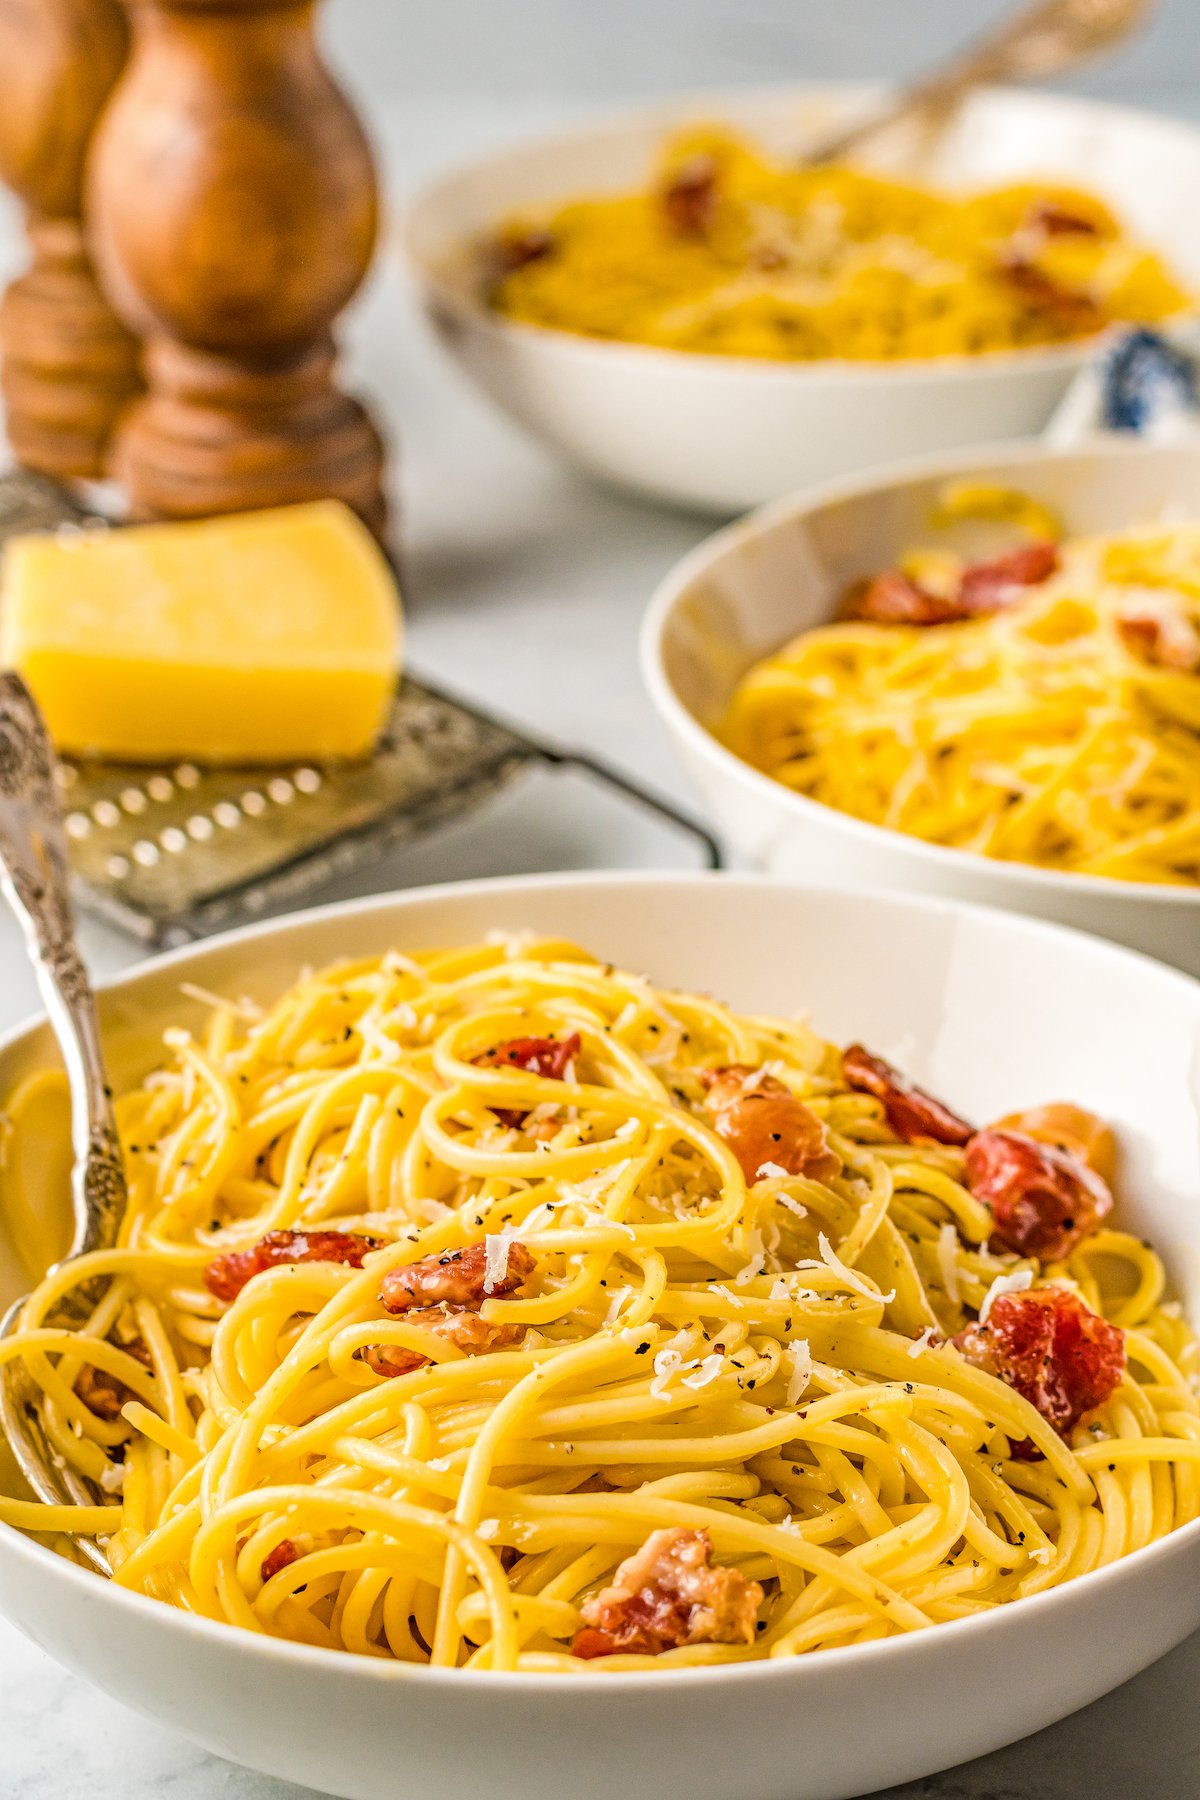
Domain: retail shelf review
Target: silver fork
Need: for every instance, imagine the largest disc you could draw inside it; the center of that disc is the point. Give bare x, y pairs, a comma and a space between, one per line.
1043, 39
34, 876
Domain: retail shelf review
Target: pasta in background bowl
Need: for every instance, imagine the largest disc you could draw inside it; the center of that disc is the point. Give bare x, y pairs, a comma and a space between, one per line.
990, 1013
784, 574
726, 431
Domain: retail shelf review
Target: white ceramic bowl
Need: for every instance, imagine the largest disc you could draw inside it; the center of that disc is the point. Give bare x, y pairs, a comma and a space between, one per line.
995, 1012
724, 433
751, 587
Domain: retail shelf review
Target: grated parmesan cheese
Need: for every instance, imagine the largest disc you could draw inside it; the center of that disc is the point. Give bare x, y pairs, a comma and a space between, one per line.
496, 1246
1043, 1555
770, 1171
802, 1368
757, 1249
112, 1478
850, 1276
793, 1205
1016, 1283
487, 1528
705, 1372
947, 1250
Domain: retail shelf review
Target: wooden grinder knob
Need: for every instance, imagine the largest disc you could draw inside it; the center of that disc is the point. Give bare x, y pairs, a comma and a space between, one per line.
233, 213
67, 364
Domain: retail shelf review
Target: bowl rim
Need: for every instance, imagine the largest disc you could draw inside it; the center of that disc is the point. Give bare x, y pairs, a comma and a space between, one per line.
447, 296
686, 727
855, 1658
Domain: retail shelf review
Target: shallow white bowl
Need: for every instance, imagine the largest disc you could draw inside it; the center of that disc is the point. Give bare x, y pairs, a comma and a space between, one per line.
994, 1012
724, 433
749, 588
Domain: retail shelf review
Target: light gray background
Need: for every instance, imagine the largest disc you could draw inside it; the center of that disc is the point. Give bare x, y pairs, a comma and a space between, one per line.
524, 588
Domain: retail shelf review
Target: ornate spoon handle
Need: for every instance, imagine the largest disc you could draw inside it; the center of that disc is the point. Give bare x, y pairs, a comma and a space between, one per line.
1045, 38
34, 875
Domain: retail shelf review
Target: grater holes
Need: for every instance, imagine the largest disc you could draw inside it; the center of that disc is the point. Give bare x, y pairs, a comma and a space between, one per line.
106, 814
66, 775
200, 828
187, 775
78, 825
307, 780
173, 840
160, 787
281, 790
145, 854
227, 814
253, 804
117, 867
133, 800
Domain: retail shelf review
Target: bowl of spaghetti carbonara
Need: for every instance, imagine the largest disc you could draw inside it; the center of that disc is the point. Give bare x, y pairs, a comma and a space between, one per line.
673, 300
977, 677
587, 1309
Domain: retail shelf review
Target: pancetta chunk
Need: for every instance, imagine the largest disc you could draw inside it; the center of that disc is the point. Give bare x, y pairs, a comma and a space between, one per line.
912, 1114
550, 1058
1053, 1350
455, 1278
282, 1556
667, 1594
227, 1275
1043, 1200
689, 197
765, 1125
104, 1394
987, 587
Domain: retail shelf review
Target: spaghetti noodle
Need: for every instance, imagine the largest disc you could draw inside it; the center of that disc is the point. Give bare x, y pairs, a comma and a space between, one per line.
728, 252
1043, 708
494, 1308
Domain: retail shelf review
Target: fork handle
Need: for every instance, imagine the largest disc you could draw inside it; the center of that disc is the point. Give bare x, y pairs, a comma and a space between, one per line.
34, 873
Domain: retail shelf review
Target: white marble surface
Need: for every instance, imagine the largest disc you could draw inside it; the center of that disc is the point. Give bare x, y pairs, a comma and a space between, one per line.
524, 587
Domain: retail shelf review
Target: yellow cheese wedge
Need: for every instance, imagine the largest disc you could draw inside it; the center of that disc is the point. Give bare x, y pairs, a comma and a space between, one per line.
261, 638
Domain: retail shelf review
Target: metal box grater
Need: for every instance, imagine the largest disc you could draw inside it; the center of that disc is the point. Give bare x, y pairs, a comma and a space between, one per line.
176, 852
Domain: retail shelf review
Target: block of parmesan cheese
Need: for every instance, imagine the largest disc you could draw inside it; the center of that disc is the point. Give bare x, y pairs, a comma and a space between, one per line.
262, 638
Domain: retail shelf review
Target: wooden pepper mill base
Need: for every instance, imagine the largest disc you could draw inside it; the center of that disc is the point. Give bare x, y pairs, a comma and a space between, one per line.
67, 364
215, 435
232, 211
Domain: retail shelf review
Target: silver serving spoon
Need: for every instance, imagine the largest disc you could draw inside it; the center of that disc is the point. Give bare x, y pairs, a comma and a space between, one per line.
34, 876
1043, 39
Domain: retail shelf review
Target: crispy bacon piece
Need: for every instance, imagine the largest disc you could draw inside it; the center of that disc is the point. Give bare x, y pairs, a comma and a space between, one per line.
1043, 1201
1163, 639
227, 1275
690, 196
105, 1394
1068, 1128
912, 1114
988, 587
893, 599
667, 1594
282, 1556
548, 1057
1058, 1354
763, 1122
1053, 220
516, 250
458, 1324
390, 1360
456, 1278
1070, 309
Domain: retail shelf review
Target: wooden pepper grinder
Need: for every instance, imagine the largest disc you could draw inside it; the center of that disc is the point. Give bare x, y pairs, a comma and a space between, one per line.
232, 214
67, 364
